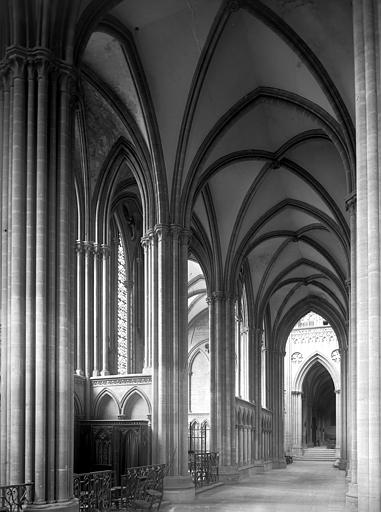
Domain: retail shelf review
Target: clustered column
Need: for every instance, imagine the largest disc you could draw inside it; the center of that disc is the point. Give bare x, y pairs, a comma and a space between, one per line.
37, 256
93, 314
166, 272
277, 406
296, 411
352, 367
367, 45
222, 350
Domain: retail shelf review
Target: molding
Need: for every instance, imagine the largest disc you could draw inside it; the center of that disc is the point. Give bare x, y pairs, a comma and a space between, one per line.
120, 380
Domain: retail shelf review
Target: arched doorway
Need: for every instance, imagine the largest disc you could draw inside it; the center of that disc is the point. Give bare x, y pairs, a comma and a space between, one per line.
312, 387
319, 408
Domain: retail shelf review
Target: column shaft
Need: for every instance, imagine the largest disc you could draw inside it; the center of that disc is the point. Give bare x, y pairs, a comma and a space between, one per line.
367, 17
18, 274
4, 272
30, 326
105, 309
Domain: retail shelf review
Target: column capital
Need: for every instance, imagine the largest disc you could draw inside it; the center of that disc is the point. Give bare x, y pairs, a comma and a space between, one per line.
218, 296
210, 300
104, 250
181, 233
161, 231
42, 64
147, 239
88, 248
17, 64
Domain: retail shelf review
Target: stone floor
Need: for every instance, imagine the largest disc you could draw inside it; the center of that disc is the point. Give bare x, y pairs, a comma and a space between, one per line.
302, 487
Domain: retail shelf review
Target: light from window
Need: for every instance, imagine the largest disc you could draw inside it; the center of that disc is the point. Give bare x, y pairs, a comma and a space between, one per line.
122, 311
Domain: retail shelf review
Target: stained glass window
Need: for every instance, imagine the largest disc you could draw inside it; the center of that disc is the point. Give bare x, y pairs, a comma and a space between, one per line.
122, 311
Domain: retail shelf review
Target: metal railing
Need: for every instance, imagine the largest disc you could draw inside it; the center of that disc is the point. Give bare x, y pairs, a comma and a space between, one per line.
203, 468
15, 497
143, 485
93, 490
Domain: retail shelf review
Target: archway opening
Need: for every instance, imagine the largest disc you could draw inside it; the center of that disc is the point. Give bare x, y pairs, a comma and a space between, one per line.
198, 361
319, 408
312, 390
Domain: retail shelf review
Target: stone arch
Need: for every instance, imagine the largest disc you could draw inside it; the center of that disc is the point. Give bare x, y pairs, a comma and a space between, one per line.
78, 409
136, 405
122, 152
197, 350
106, 406
284, 327
308, 364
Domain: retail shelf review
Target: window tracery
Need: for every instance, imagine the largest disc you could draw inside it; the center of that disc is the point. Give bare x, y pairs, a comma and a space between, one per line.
122, 311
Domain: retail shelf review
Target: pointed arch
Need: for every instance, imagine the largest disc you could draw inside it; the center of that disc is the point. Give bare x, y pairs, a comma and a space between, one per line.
130, 396
101, 398
122, 151
317, 357
78, 409
283, 327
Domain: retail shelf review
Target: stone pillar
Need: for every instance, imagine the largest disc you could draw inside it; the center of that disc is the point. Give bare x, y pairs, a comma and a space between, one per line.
5, 122
344, 409
214, 431
222, 353
351, 497
367, 32
137, 312
80, 313
256, 393
277, 406
168, 273
148, 243
297, 430
338, 425
88, 248
37, 256
105, 313
97, 280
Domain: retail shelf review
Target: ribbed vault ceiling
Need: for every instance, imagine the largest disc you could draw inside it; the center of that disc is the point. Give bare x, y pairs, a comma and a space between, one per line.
245, 112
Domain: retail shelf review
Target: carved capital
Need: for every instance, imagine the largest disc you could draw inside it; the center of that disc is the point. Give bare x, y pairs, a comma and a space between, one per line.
146, 240
88, 248
79, 247
17, 63
43, 66
218, 296
104, 250
210, 300
162, 231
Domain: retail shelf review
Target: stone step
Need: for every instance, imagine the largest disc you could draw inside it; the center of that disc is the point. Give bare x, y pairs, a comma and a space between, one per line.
318, 453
